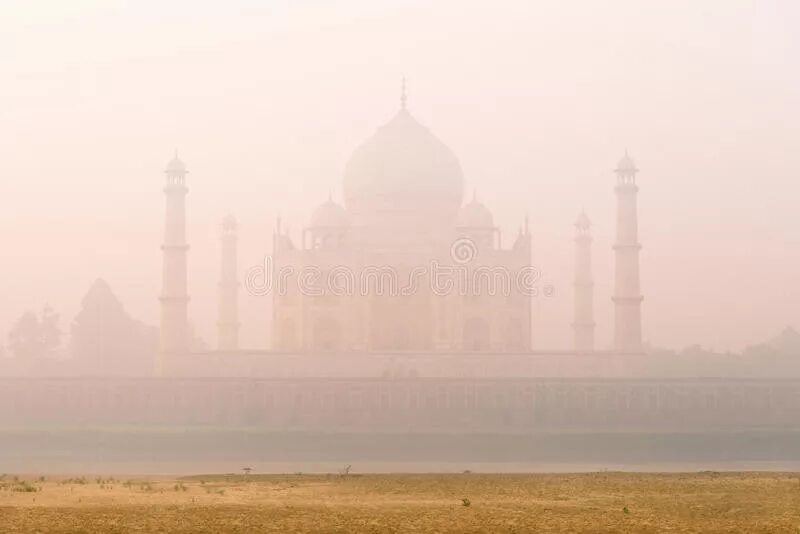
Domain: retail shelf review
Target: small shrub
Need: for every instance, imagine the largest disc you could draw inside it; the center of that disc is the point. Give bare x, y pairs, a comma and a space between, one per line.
25, 487
465, 502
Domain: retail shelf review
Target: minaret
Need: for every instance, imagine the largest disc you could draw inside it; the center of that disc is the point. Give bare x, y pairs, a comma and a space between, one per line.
174, 297
228, 324
583, 324
627, 295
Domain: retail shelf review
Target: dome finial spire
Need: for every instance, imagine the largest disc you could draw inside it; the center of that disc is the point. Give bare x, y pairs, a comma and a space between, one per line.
403, 95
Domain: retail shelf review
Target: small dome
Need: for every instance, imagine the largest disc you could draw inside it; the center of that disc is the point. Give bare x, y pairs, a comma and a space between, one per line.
583, 221
176, 166
229, 223
329, 215
475, 215
626, 164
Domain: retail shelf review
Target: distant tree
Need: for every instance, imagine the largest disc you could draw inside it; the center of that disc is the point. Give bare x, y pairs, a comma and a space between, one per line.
23, 339
48, 324
35, 337
786, 343
107, 339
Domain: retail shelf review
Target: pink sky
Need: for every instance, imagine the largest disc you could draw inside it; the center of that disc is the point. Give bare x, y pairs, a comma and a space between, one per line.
537, 99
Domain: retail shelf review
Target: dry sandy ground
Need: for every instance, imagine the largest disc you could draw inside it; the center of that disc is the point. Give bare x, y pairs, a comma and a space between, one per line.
595, 502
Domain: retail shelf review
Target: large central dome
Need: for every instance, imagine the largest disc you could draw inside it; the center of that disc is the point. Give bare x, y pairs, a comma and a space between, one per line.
403, 167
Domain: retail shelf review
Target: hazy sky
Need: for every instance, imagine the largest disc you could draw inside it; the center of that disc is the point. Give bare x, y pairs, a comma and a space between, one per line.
266, 100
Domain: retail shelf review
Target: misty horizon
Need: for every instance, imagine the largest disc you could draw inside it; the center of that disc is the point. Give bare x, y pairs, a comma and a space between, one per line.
266, 108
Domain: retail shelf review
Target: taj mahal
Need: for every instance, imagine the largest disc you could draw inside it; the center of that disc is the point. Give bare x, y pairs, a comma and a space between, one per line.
345, 286
369, 336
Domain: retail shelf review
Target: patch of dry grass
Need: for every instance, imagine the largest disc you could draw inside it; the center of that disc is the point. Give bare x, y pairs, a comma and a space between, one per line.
617, 502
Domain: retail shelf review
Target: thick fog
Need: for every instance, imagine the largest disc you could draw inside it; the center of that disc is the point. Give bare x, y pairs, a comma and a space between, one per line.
265, 102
